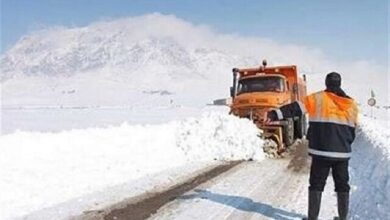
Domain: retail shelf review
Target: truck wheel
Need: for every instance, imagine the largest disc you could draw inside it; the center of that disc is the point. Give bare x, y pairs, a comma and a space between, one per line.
289, 132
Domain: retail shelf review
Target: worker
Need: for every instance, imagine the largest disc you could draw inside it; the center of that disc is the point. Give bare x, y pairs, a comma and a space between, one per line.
332, 123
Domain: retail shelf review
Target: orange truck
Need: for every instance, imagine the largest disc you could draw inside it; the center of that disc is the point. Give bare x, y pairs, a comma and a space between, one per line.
256, 91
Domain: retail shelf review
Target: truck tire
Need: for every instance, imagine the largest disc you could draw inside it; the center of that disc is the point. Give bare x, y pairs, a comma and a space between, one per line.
289, 132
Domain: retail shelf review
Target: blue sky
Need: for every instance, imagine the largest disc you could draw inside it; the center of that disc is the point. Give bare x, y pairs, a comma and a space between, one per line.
343, 29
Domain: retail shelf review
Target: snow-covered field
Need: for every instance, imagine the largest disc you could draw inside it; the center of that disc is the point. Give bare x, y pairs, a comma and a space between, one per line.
40, 170
55, 119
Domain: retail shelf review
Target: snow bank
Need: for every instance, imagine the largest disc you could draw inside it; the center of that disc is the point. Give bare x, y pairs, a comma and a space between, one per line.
43, 169
219, 137
370, 171
377, 133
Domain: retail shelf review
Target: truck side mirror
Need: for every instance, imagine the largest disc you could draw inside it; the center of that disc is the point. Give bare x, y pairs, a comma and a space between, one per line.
231, 91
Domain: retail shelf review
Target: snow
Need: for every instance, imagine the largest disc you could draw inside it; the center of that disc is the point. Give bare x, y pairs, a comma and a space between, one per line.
64, 173
370, 171
125, 57
57, 119
254, 190
249, 191
89, 113
40, 170
377, 132
110, 195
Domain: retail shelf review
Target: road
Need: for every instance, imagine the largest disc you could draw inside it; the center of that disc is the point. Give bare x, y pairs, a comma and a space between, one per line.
268, 189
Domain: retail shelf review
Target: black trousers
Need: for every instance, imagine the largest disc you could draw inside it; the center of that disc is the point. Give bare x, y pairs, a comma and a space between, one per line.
319, 172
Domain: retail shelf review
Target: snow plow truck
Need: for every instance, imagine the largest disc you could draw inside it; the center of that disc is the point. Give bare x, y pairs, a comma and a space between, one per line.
256, 91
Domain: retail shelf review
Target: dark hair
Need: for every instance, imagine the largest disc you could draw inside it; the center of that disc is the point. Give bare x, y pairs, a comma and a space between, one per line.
333, 84
333, 80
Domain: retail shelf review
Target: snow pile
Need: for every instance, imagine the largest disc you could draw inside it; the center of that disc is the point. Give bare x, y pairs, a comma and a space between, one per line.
378, 134
207, 138
43, 169
370, 171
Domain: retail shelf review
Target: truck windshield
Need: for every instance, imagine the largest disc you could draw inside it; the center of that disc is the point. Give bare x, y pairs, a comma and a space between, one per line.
261, 84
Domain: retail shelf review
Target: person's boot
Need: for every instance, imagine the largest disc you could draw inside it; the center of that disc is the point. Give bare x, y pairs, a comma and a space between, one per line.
314, 205
342, 205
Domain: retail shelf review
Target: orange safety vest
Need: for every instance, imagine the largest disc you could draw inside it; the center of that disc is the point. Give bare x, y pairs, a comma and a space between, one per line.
328, 107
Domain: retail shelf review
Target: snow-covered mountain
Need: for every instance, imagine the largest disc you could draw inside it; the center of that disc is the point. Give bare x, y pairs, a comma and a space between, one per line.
103, 63
121, 62
41, 56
